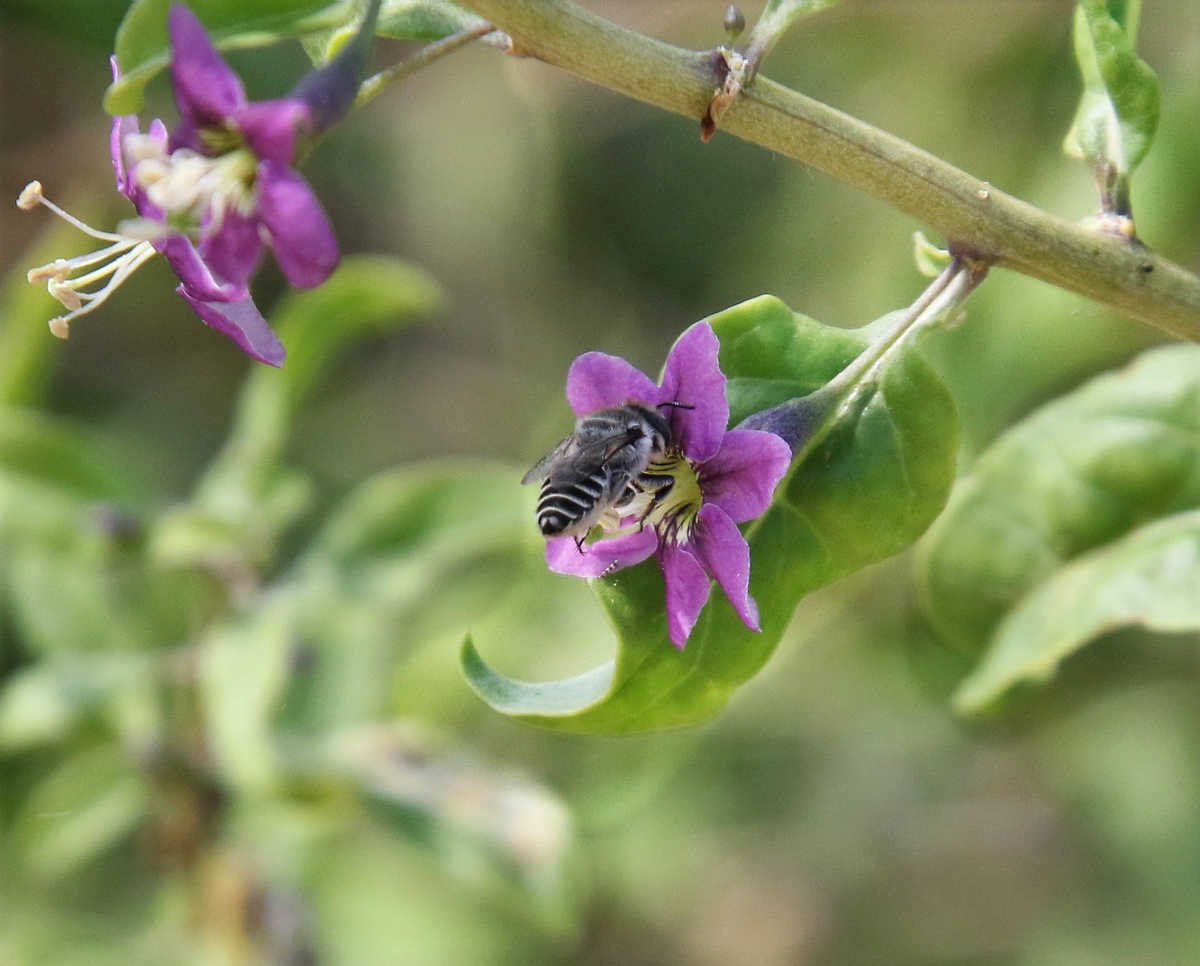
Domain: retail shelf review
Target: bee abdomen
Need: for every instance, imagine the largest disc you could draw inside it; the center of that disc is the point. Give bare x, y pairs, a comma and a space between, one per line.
564, 506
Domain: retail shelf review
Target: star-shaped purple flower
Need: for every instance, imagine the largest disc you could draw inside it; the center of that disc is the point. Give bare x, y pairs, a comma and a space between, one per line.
217, 190
224, 176
720, 478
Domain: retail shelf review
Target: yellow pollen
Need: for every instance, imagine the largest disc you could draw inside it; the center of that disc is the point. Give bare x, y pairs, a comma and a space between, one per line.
673, 513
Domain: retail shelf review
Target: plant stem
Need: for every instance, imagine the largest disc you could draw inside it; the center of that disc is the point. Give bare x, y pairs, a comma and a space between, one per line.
804, 421
976, 219
373, 86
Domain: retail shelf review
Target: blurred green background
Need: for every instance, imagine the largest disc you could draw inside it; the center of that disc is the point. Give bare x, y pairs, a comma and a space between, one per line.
838, 813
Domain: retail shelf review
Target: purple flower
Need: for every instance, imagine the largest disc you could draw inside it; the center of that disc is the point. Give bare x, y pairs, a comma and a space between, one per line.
212, 193
719, 478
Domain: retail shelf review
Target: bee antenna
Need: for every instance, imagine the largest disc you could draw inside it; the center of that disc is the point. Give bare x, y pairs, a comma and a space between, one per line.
677, 405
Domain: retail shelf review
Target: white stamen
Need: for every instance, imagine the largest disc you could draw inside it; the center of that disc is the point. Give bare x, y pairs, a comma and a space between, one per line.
118, 260
191, 184
30, 196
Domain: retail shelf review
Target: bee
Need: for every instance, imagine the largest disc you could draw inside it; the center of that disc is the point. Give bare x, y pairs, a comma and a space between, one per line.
599, 467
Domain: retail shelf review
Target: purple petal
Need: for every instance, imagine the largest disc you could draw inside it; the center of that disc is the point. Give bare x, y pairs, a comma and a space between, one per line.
233, 251
742, 477
726, 555
300, 232
271, 127
601, 557
242, 322
693, 378
688, 588
122, 127
207, 91
195, 275
597, 381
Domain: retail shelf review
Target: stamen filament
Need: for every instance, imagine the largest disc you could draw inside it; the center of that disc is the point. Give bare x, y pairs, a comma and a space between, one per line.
63, 267
85, 302
33, 196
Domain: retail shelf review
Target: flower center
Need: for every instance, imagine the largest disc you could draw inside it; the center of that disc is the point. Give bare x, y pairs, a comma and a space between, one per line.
192, 189
673, 509
109, 265
668, 498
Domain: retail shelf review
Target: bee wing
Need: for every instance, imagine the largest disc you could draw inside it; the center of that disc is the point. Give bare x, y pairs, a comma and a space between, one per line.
581, 457
541, 469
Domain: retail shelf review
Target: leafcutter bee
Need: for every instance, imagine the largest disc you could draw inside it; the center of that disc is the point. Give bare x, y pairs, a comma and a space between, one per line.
601, 466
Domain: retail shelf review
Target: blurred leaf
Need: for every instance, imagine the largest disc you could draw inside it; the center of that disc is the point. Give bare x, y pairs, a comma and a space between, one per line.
1150, 577
367, 295
86, 805
1118, 112
865, 491
433, 511
88, 598
1082, 471
424, 19
71, 567
246, 499
931, 260
411, 554
44, 458
243, 669
44, 702
483, 822
142, 46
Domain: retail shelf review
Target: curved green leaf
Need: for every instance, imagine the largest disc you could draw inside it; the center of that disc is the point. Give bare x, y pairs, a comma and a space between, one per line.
1150, 578
866, 490
142, 47
1082, 471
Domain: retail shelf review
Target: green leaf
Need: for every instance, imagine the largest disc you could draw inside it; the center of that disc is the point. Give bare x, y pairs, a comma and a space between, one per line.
243, 670
1151, 578
246, 498
1081, 472
482, 822
92, 801
866, 490
44, 702
142, 47
424, 19
1118, 112
43, 458
412, 555
71, 570
369, 295
93, 591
